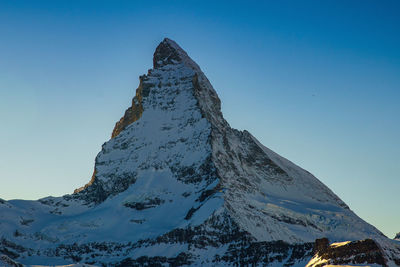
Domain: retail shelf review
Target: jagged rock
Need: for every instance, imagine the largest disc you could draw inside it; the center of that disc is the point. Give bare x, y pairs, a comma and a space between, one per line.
134, 112
7, 262
351, 252
177, 185
321, 245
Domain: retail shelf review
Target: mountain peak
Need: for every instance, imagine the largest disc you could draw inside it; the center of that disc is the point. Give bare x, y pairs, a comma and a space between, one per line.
169, 52
176, 184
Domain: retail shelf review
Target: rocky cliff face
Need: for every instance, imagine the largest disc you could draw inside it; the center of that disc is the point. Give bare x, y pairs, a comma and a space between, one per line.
177, 185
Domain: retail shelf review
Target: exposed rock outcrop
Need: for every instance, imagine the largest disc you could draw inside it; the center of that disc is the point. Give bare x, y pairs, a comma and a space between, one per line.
351, 252
134, 112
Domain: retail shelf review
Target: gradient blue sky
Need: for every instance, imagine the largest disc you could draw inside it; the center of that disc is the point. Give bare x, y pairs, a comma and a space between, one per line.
316, 81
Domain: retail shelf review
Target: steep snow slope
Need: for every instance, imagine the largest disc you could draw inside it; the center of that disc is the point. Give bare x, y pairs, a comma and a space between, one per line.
176, 184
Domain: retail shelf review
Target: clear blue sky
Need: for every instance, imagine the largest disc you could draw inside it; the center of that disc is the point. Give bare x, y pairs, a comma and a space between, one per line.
316, 81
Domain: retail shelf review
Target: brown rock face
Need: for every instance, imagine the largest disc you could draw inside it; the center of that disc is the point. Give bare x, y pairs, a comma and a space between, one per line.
88, 184
134, 112
356, 252
321, 245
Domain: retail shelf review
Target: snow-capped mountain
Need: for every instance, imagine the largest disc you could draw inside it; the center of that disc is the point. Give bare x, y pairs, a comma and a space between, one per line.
177, 185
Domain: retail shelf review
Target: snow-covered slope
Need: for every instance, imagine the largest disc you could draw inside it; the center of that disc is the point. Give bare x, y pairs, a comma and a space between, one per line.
177, 185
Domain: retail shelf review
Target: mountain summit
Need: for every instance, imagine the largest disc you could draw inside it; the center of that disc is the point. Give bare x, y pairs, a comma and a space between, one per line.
177, 185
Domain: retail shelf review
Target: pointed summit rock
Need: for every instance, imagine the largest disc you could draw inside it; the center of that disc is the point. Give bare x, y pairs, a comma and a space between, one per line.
167, 52
177, 185
170, 53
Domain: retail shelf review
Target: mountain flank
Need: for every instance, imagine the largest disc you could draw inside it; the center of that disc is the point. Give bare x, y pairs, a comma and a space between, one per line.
176, 185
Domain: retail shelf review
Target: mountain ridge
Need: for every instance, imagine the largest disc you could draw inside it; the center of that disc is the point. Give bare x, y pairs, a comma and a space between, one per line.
176, 184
